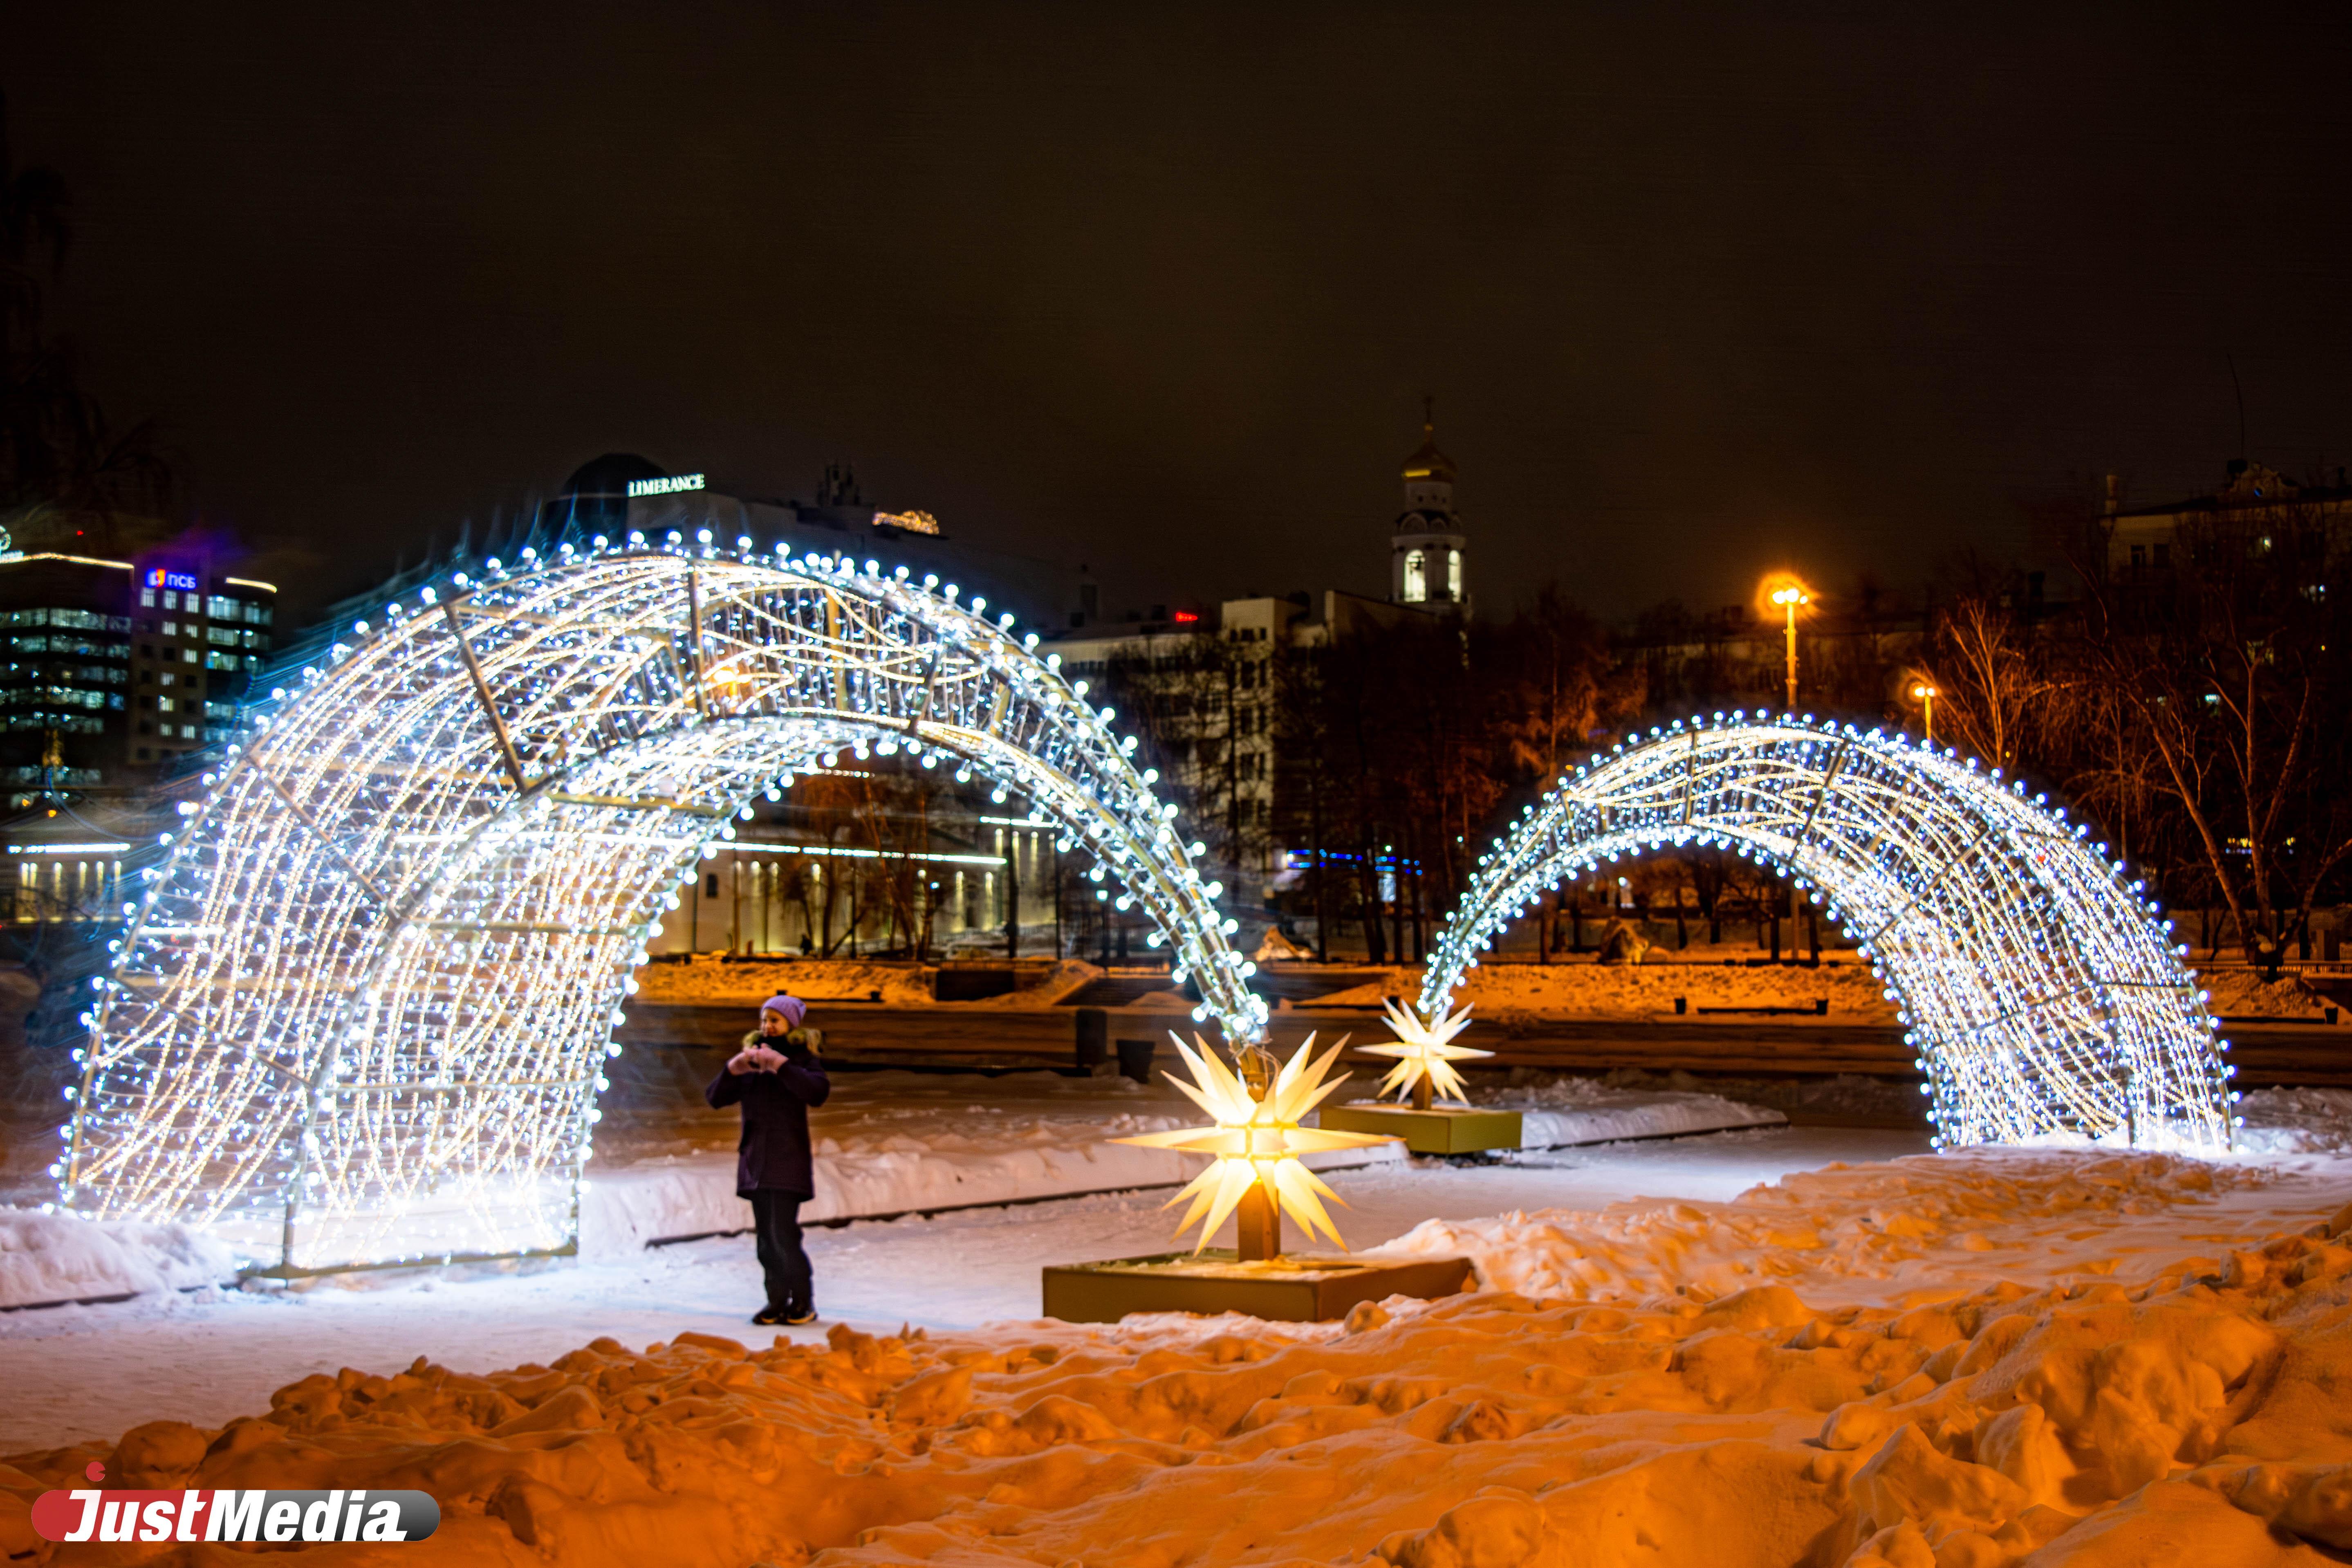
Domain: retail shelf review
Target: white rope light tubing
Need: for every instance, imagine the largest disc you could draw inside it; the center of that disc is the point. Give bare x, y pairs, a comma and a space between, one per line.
2040, 986
360, 1014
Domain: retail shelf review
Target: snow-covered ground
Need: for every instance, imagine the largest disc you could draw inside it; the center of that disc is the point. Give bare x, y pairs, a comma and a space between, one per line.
76, 1373
1776, 1345
887, 1144
1883, 1360
1703, 975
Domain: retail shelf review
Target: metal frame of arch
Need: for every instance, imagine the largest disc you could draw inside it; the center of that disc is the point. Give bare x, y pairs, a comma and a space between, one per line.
2041, 988
359, 1016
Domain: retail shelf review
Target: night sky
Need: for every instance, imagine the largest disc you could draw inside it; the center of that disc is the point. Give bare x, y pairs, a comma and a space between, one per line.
1160, 289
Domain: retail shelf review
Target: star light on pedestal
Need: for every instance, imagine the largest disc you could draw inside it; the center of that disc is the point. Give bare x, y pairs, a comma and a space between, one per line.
1425, 1053
1257, 1143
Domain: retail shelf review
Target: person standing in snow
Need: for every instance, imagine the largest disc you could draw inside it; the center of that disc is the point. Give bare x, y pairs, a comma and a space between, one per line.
777, 1077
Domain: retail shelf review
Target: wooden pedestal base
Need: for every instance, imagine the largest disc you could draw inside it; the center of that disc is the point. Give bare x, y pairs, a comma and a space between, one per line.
1441, 1129
1282, 1290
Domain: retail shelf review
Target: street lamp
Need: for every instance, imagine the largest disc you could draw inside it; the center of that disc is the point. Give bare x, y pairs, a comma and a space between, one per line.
1927, 695
1791, 597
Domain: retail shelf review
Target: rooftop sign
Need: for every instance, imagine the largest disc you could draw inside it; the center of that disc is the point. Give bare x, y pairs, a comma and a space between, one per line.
665, 486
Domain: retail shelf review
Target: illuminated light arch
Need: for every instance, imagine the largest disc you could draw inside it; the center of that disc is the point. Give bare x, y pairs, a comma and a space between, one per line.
2041, 990
361, 1012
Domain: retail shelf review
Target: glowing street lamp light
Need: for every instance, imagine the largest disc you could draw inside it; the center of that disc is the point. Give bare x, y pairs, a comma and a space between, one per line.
1789, 598
1927, 695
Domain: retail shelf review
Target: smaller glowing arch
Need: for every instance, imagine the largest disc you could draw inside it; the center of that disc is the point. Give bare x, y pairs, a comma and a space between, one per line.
2040, 987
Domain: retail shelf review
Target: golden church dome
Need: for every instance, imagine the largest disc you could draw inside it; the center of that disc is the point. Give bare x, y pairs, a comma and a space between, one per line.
1427, 462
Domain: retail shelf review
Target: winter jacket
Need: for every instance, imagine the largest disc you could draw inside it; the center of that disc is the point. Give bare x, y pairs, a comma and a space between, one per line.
773, 1155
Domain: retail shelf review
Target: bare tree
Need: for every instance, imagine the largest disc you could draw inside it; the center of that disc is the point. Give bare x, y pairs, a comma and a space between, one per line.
2225, 668
1991, 690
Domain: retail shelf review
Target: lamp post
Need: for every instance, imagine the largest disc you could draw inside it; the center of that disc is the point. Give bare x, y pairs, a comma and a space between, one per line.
1789, 598
1927, 696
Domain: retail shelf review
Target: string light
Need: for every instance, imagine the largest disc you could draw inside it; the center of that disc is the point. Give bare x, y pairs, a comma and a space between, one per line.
359, 1012
2041, 990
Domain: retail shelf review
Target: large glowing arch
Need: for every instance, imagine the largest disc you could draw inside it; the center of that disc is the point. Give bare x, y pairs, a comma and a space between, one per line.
2040, 988
360, 1014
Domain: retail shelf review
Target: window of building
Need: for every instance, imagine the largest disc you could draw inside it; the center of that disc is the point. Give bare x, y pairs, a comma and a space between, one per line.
2139, 557
1453, 574
1416, 579
710, 885
2163, 556
147, 598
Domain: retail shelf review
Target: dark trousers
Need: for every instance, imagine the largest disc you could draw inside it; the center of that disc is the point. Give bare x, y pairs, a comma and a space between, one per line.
776, 1222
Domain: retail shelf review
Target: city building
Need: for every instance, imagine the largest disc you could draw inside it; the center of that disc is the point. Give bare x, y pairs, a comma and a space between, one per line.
1202, 687
876, 860
2141, 540
117, 670
622, 493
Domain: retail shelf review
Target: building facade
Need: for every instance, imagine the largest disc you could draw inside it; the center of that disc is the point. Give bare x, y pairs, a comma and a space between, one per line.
622, 493
2142, 542
117, 670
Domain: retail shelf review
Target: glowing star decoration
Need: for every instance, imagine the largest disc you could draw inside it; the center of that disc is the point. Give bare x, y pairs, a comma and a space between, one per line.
1424, 1054
1256, 1141
362, 1007
2042, 989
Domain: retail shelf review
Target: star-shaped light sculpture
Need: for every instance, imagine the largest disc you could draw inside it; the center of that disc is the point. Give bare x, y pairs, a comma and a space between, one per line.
1425, 1053
1256, 1141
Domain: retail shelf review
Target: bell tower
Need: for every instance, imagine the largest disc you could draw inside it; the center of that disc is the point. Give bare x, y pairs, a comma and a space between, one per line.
1426, 544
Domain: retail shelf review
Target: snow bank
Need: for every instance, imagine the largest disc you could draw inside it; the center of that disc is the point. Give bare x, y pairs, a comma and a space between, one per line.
1579, 987
892, 1143
704, 980
1558, 1110
2107, 1401
52, 1257
1907, 1230
2296, 1121
673, 1198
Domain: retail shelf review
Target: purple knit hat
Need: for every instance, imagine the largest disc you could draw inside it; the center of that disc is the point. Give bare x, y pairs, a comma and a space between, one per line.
790, 1008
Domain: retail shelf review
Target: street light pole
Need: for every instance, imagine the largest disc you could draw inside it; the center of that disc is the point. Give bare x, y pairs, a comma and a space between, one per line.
1791, 597
1927, 696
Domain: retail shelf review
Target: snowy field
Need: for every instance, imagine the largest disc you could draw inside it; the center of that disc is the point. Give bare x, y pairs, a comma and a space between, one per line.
1776, 1345
78, 1373
886, 1144
1986, 1359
